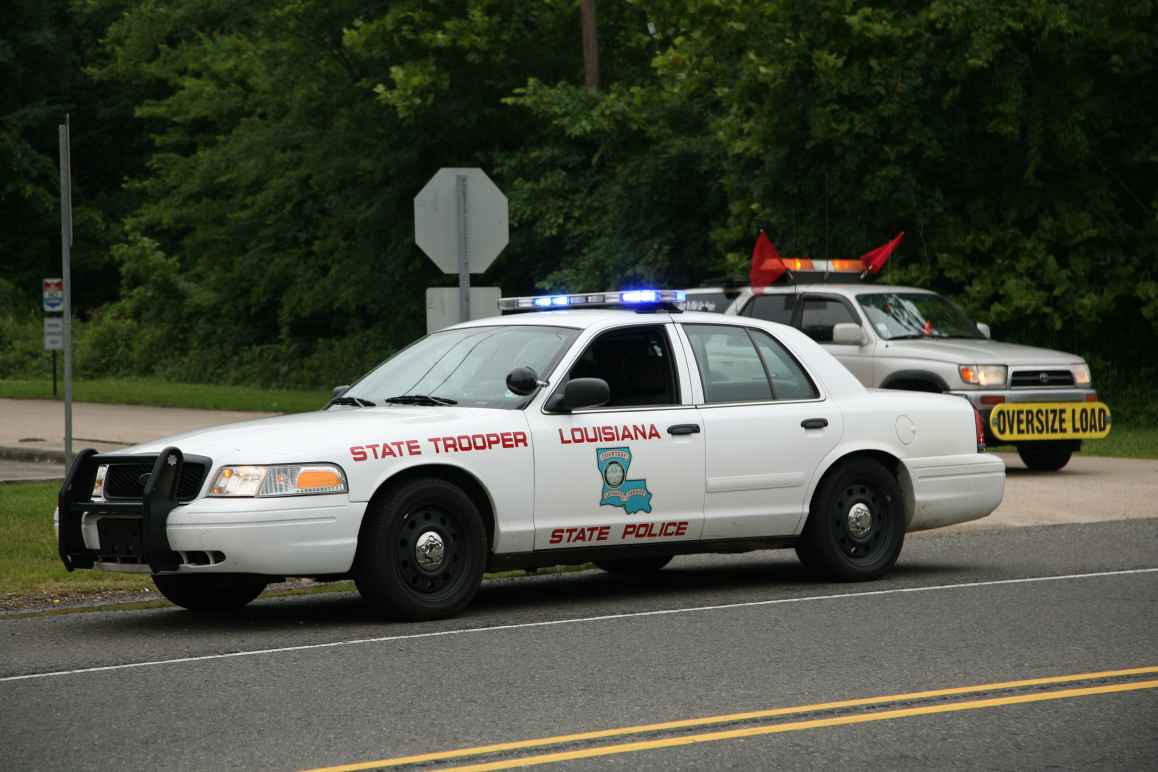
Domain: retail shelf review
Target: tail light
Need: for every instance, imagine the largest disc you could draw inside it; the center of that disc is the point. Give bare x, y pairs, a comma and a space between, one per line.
980, 422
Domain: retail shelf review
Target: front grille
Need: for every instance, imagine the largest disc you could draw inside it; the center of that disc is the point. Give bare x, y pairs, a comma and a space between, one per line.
1038, 379
126, 481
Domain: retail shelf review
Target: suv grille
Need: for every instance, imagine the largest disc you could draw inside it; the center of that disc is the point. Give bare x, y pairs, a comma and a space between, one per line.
124, 481
1036, 379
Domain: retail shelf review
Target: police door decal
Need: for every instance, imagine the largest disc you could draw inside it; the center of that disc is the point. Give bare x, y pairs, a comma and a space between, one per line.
631, 495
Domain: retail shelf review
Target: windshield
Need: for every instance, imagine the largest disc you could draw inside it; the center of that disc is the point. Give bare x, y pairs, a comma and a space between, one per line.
897, 315
465, 366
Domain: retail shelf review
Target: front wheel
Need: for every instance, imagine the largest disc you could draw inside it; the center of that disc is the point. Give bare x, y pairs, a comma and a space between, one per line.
1046, 456
422, 552
210, 593
856, 524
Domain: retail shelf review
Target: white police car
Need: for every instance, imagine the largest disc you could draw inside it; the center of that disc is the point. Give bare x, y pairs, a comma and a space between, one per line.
615, 434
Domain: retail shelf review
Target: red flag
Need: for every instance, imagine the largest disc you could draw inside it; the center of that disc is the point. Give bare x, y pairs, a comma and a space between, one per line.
766, 263
873, 261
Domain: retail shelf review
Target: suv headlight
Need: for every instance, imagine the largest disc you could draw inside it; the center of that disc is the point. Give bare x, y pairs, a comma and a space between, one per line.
279, 480
1081, 375
983, 375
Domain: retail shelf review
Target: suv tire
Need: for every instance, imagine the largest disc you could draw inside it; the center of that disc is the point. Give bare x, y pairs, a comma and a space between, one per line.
1046, 456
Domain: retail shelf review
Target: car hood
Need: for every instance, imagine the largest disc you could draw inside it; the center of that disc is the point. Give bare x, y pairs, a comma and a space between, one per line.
320, 436
980, 351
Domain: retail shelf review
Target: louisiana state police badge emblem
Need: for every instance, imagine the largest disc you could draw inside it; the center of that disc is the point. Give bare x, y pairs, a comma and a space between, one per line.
630, 495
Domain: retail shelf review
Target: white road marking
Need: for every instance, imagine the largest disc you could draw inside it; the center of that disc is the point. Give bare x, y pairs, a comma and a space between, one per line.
576, 621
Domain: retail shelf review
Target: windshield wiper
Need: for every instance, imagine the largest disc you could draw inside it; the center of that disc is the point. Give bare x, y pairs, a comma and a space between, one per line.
355, 401
911, 336
420, 399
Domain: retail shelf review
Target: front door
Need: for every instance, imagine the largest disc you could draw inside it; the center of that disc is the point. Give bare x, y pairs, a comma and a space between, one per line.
630, 472
818, 314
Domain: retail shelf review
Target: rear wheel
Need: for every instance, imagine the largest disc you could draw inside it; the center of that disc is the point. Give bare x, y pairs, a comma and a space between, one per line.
856, 524
635, 566
210, 592
1046, 456
422, 552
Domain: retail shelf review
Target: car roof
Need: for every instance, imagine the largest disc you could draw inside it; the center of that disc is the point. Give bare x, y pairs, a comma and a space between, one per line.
599, 317
847, 288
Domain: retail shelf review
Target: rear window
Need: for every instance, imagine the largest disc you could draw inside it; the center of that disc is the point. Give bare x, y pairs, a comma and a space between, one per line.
771, 308
714, 300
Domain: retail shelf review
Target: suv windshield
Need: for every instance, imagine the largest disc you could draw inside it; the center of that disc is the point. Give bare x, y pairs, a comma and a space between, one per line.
467, 367
916, 315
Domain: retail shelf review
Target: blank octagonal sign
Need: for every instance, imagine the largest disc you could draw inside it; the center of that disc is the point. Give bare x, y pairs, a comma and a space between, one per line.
436, 219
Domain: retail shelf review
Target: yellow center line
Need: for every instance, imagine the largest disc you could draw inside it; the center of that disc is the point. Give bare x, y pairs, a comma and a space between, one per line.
796, 726
729, 718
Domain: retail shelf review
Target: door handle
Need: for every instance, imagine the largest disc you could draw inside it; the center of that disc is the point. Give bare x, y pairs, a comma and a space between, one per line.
684, 429
814, 423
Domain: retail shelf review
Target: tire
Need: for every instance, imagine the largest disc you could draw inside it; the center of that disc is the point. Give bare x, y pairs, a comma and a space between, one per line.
833, 542
637, 567
1046, 456
403, 581
210, 593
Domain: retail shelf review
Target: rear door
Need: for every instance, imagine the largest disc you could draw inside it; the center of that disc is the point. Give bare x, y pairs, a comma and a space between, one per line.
631, 472
768, 427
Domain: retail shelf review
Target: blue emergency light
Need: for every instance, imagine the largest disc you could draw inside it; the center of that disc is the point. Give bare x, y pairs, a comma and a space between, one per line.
638, 299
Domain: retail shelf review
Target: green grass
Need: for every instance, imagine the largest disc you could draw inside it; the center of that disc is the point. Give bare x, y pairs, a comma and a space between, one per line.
1125, 442
165, 394
29, 563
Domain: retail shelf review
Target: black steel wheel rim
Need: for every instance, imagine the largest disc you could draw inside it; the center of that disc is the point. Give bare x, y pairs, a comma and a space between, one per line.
426, 582
858, 546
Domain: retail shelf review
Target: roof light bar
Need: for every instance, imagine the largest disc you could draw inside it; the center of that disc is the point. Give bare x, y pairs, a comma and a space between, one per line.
640, 298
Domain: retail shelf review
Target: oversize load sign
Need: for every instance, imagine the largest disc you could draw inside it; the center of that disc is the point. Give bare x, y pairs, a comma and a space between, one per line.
1023, 421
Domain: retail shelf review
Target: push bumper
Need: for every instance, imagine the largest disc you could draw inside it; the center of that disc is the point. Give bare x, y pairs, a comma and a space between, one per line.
945, 490
288, 536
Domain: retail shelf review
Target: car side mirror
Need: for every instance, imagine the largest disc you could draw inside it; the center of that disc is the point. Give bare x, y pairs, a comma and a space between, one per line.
983, 328
338, 391
524, 381
580, 393
848, 334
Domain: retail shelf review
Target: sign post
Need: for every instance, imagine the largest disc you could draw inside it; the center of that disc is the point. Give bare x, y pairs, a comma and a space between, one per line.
66, 281
462, 223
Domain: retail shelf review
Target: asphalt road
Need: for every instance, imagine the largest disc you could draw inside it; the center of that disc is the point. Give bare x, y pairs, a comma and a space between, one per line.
315, 681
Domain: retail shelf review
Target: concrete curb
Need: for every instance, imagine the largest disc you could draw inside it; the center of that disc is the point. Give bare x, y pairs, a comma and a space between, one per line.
32, 455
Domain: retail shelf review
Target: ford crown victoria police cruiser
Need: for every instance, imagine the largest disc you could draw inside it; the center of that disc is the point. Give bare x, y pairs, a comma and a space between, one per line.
620, 435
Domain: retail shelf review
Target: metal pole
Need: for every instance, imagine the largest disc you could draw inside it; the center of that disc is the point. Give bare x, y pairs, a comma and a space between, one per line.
54, 373
463, 249
66, 266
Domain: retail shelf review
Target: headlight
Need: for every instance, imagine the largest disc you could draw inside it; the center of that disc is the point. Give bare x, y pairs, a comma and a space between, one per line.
1082, 375
983, 375
280, 480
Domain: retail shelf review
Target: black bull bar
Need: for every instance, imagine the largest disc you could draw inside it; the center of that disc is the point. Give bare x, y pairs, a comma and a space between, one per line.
153, 508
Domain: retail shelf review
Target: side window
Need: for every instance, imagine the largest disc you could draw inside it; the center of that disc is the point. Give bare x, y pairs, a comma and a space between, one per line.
729, 365
636, 362
789, 381
771, 308
819, 315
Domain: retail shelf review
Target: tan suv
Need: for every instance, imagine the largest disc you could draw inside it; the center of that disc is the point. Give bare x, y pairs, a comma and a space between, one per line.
906, 338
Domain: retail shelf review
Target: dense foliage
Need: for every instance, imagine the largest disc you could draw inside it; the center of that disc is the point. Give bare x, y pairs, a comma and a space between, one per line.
246, 171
